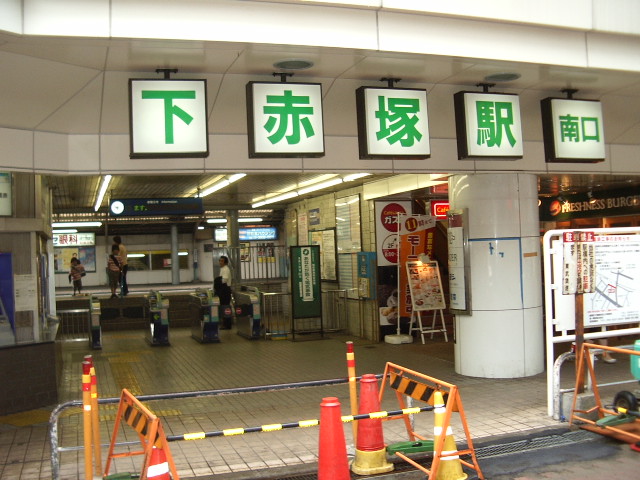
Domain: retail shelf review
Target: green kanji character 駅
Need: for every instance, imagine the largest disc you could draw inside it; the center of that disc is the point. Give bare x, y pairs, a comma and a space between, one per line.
494, 119
398, 120
289, 108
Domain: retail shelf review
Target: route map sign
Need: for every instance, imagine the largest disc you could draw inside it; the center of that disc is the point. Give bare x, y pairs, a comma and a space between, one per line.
616, 298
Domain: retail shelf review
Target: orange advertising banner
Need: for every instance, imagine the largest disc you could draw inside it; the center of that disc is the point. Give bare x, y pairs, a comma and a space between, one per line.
416, 234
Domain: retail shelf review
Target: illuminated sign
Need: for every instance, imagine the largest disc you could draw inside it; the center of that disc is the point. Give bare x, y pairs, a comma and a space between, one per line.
392, 123
488, 125
439, 208
168, 118
73, 239
248, 234
131, 207
285, 119
573, 130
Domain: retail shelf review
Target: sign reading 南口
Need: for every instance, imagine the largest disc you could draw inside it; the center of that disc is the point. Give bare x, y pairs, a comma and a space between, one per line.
488, 125
573, 130
285, 119
168, 118
392, 123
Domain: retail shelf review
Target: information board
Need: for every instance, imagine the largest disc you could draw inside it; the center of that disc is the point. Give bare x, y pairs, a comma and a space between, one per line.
305, 281
616, 296
425, 286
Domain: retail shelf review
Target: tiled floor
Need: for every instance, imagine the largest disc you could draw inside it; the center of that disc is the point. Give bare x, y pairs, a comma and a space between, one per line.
493, 407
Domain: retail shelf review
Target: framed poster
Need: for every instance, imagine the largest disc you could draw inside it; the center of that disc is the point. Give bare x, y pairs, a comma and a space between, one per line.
326, 240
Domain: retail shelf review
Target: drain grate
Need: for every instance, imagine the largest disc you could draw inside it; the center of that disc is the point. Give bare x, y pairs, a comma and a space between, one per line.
527, 445
537, 443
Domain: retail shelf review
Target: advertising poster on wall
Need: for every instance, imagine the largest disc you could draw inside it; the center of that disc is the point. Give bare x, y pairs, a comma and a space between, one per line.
386, 213
416, 234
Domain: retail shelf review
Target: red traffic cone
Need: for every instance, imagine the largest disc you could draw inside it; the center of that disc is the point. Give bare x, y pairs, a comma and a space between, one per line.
158, 465
332, 451
371, 454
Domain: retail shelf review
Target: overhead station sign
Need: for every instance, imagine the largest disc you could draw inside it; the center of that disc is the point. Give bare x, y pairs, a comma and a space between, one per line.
168, 118
573, 130
130, 207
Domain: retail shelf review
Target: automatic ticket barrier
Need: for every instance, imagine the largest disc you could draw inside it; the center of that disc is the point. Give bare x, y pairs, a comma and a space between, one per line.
158, 319
248, 317
95, 330
206, 322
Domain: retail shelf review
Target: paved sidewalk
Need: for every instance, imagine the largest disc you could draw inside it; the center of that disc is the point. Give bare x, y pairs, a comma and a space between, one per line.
495, 408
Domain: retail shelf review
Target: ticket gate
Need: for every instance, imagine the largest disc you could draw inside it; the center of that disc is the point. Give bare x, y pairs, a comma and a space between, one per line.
95, 330
248, 318
225, 314
158, 319
206, 319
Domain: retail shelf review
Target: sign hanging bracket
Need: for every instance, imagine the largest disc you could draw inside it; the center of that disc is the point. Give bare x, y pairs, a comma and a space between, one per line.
569, 92
167, 72
485, 86
390, 81
283, 76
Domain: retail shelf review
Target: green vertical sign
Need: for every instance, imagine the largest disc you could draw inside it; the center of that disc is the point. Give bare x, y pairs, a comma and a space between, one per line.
305, 281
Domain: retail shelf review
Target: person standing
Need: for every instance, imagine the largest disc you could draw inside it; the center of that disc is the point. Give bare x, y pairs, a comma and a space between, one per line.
222, 284
114, 269
124, 264
75, 274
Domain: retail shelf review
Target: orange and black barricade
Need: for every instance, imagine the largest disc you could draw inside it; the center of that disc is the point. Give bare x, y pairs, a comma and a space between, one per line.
150, 433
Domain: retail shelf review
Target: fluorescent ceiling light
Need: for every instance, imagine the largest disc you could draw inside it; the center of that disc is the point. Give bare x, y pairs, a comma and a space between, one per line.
180, 254
136, 255
354, 176
329, 180
67, 230
75, 224
320, 186
278, 198
240, 220
221, 184
200, 227
103, 189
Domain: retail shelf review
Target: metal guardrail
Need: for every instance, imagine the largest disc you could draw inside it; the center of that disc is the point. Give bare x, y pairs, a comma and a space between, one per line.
277, 316
73, 323
54, 418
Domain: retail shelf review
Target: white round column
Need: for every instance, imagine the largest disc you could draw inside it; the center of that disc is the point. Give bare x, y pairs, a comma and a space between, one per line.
503, 336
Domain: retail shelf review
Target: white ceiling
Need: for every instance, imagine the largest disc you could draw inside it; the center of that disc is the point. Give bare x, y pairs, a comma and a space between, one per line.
79, 86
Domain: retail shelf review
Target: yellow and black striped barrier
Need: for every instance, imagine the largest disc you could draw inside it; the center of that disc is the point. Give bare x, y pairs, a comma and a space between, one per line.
301, 424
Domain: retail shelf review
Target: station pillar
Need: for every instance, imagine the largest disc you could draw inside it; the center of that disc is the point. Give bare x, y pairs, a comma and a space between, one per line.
503, 336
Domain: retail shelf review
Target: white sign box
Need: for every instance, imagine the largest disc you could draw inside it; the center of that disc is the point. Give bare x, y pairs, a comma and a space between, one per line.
285, 119
168, 118
573, 130
392, 123
488, 125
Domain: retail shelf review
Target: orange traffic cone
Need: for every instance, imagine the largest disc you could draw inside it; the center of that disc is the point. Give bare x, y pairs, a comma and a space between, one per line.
158, 465
332, 451
449, 468
371, 454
